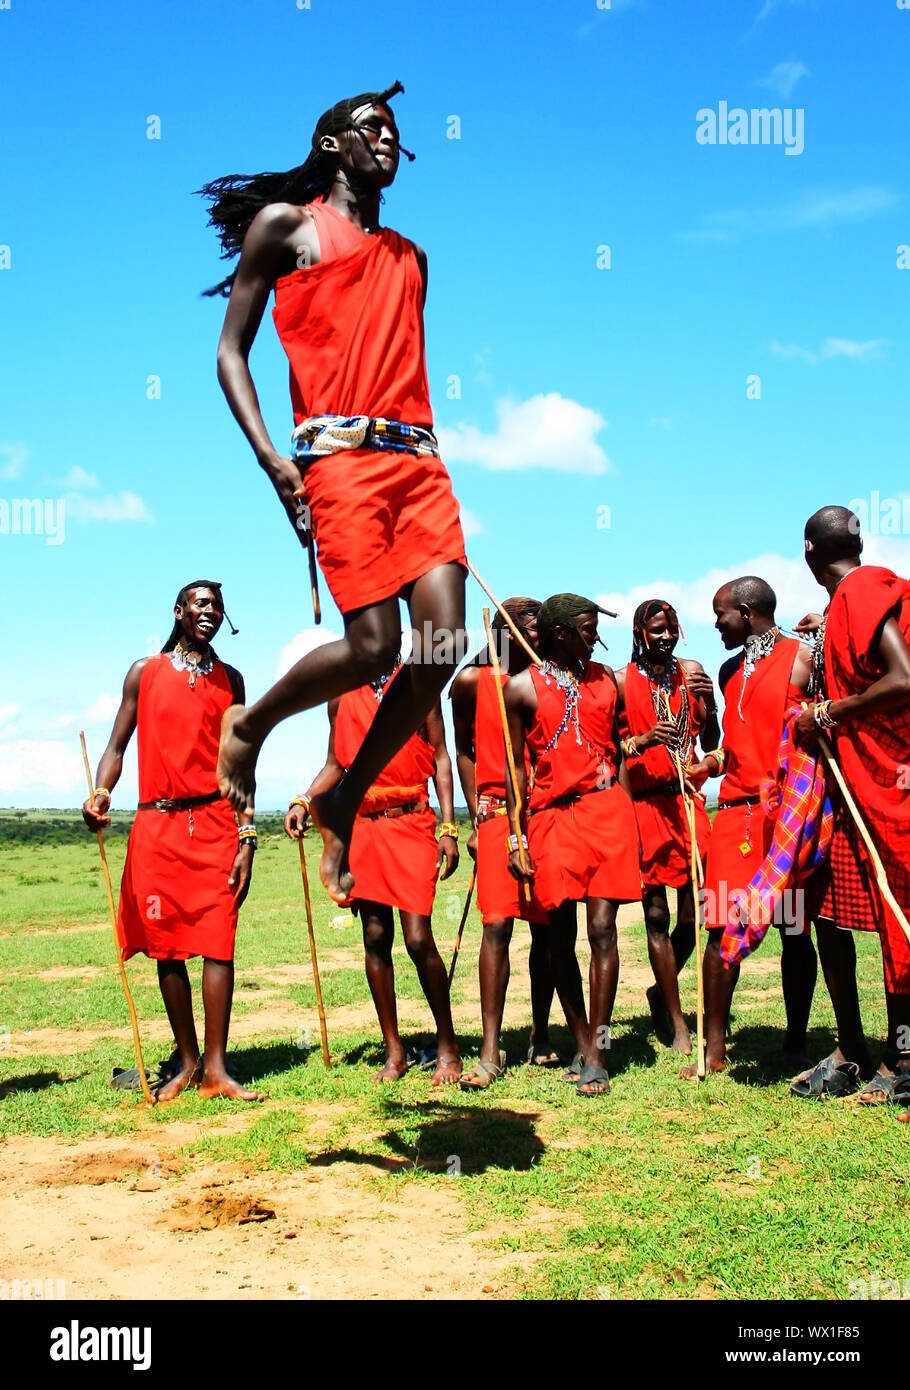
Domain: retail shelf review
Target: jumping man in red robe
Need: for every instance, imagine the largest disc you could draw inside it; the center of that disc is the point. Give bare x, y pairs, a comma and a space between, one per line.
665, 704
349, 297
186, 875
582, 836
862, 691
396, 859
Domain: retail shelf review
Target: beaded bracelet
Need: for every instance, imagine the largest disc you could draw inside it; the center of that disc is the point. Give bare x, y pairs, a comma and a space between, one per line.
512, 843
823, 715
303, 801
248, 835
448, 828
629, 748
720, 755
102, 791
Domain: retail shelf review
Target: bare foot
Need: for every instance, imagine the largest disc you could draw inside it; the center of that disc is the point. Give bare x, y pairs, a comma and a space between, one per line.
237, 756
220, 1084
660, 1018
337, 878
392, 1071
711, 1065
448, 1069
187, 1076
682, 1041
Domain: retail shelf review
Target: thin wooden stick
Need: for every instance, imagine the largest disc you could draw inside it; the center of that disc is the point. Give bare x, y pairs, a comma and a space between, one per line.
137, 1045
510, 757
304, 525
695, 875
464, 918
881, 877
515, 631
309, 924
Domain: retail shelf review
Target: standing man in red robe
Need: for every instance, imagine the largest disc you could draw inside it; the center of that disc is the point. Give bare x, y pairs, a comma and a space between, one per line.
582, 836
759, 686
188, 867
862, 689
396, 859
665, 705
481, 758
349, 297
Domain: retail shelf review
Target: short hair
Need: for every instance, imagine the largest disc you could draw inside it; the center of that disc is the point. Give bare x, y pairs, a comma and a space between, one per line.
834, 533
751, 592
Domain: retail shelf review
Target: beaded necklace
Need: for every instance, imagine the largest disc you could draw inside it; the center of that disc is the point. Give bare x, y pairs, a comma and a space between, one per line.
756, 649
184, 660
661, 692
379, 684
817, 685
568, 683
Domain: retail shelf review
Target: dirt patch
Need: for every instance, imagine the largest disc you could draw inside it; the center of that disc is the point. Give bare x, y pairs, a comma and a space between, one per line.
66, 972
218, 1209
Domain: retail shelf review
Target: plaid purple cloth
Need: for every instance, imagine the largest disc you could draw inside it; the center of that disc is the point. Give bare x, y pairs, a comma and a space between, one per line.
802, 835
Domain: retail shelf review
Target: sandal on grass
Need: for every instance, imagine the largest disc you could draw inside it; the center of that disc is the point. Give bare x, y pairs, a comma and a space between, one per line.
483, 1074
574, 1071
827, 1078
882, 1089
542, 1059
590, 1076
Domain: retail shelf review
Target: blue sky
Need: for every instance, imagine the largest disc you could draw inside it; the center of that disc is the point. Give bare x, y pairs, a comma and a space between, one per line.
587, 394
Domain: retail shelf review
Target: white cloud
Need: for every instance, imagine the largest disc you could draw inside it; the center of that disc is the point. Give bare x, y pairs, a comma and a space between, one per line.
782, 79
13, 458
102, 709
769, 7
7, 713
77, 479
829, 348
547, 431
470, 524
125, 507
816, 207
44, 765
301, 645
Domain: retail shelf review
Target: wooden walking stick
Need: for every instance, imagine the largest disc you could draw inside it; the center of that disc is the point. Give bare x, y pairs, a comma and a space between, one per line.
464, 918
309, 923
510, 759
137, 1045
513, 628
304, 523
696, 877
881, 878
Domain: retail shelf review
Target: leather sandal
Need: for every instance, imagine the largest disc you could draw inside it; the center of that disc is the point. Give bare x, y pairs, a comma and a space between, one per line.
827, 1078
483, 1074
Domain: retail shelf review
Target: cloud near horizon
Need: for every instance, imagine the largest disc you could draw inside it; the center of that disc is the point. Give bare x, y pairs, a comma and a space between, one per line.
546, 431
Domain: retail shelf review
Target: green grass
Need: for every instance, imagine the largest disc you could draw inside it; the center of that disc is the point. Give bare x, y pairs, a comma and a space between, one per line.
662, 1189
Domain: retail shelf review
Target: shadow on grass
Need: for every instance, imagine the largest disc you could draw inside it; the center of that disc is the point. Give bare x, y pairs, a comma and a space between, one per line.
451, 1139
757, 1055
37, 1081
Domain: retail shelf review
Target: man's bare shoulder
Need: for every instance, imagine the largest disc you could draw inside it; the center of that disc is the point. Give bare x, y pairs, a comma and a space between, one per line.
689, 663
519, 690
464, 686
277, 224
727, 670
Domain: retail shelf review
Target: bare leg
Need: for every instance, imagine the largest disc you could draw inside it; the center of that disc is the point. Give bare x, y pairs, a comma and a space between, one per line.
494, 972
566, 974
542, 990
603, 976
217, 994
719, 986
378, 922
798, 970
436, 606
663, 963
837, 954
177, 993
682, 938
372, 637
421, 947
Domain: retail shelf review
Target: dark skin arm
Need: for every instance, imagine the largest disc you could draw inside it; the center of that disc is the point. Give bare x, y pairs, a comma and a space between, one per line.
702, 687
890, 691
295, 821
463, 695
521, 706
434, 733
110, 768
699, 772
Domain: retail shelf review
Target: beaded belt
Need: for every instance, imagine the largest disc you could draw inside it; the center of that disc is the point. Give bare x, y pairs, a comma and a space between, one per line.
391, 812
490, 806
740, 801
662, 789
321, 435
179, 803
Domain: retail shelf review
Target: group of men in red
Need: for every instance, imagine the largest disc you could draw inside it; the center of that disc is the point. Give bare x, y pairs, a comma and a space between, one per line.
605, 807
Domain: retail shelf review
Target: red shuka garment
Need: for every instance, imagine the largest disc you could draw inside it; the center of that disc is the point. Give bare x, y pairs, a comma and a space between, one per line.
752, 744
394, 861
352, 327
174, 897
499, 895
874, 757
663, 827
588, 849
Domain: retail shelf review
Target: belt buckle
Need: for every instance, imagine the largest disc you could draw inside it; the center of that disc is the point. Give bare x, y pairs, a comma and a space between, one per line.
163, 804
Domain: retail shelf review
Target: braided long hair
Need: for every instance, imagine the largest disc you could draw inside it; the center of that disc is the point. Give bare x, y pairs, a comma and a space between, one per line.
183, 597
237, 198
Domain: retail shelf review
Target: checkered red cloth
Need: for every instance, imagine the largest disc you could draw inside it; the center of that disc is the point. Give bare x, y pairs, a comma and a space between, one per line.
802, 834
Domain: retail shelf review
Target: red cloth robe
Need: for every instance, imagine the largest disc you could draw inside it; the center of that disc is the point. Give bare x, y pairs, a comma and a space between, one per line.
874, 757
393, 860
752, 743
588, 849
499, 894
663, 827
352, 327
174, 897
